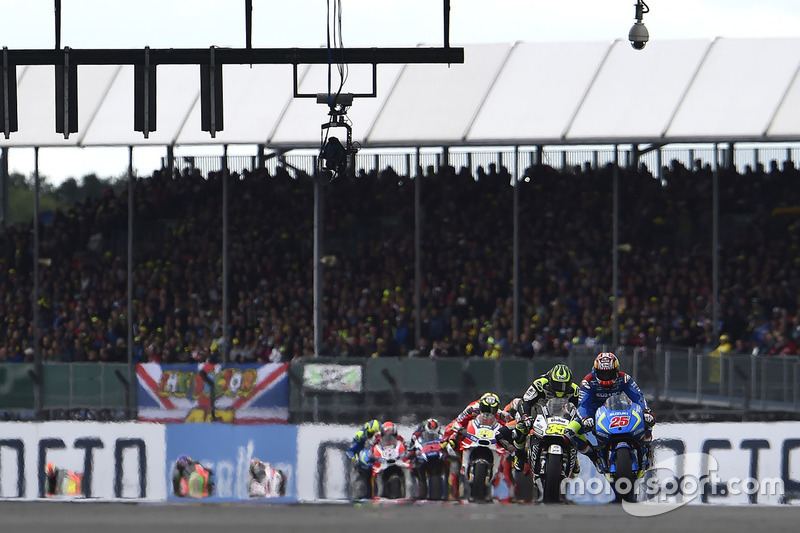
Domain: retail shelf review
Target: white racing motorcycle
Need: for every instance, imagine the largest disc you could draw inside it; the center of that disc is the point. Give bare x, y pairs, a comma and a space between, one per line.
551, 452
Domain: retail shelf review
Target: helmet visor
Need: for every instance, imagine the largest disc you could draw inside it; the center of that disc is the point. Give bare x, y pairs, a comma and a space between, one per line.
606, 374
559, 387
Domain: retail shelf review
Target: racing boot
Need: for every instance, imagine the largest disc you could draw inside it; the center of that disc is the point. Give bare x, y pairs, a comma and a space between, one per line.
519, 459
576, 464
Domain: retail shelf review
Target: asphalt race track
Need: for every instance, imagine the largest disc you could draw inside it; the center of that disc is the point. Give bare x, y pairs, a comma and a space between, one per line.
86, 517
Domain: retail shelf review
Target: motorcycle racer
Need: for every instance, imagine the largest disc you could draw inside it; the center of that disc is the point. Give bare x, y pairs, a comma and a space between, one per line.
555, 383
265, 480
488, 407
60, 481
429, 430
184, 467
388, 434
604, 381
359, 452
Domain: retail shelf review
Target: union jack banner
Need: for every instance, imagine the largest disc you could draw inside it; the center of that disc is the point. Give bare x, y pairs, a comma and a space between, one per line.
242, 394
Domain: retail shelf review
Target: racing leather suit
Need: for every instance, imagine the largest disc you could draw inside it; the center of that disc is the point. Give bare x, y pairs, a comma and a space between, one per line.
360, 457
513, 438
593, 396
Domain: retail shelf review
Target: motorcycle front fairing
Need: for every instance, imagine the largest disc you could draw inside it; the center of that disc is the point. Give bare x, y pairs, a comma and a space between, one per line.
620, 427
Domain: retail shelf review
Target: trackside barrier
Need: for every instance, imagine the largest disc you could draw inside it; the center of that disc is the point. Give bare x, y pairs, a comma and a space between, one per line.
227, 450
120, 461
756, 463
713, 463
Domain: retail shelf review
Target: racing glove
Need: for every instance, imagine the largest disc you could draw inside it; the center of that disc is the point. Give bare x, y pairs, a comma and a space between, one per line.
649, 418
588, 424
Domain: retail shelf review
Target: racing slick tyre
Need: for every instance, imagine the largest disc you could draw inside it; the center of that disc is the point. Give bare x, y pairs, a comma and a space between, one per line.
435, 486
625, 478
552, 479
394, 487
478, 485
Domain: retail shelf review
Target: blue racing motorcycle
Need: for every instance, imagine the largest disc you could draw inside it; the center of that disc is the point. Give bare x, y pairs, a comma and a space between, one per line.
622, 455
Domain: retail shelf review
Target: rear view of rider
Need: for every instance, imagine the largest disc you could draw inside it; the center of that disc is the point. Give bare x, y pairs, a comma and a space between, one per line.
359, 452
604, 381
265, 480
53, 477
184, 466
555, 383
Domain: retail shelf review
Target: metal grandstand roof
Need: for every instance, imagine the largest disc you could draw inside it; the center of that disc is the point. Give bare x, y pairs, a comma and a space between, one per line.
729, 90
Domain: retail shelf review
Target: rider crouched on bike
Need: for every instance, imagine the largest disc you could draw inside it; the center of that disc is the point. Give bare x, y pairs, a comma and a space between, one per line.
184, 466
604, 381
359, 452
388, 435
265, 480
487, 406
428, 431
556, 383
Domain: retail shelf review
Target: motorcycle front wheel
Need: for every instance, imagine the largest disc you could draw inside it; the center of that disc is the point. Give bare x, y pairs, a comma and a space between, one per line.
624, 467
435, 482
478, 488
552, 479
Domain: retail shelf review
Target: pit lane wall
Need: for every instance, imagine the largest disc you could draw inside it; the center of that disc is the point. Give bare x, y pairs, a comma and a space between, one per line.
766, 452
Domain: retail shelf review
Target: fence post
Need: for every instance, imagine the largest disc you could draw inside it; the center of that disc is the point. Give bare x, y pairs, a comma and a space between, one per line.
667, 355
753, 381
763, 384
699, 378
785, 380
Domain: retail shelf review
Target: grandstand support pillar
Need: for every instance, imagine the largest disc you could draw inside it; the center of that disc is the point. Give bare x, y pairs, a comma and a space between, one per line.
262, 159
515, 170
3, 189
318, 226
171, 160
132, 381
615, 253
225, 348
37, 351
715, 245
417, 251
659, 163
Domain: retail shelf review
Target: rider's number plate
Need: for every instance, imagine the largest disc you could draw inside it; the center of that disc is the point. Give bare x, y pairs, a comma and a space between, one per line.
485, 433
556, 429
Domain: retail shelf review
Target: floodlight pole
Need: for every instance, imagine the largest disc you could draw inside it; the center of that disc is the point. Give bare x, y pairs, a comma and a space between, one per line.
57, 9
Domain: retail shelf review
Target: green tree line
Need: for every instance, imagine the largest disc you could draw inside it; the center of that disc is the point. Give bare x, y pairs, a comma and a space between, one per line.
54, 197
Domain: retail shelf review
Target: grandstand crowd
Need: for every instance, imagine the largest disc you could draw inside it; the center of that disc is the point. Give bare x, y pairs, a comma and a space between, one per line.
565, 257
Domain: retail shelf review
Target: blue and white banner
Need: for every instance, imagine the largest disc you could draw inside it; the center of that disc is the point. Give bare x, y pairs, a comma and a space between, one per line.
227, 451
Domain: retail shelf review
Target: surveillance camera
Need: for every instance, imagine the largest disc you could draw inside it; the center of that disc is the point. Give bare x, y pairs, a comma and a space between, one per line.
638, 36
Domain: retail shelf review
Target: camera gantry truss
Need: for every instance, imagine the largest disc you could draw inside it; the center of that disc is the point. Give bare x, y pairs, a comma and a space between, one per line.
66, 62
